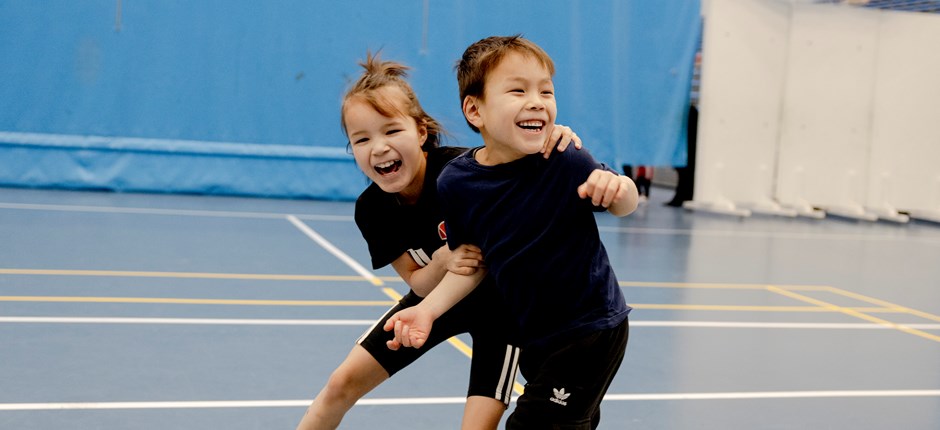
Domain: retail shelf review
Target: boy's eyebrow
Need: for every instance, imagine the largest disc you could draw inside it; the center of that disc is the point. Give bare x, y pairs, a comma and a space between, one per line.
515, 79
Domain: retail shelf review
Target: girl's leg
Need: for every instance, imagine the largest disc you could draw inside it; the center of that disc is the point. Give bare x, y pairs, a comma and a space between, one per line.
355, 377
482, 413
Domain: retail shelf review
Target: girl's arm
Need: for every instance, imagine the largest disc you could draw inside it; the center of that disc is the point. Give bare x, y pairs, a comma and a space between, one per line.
464, 260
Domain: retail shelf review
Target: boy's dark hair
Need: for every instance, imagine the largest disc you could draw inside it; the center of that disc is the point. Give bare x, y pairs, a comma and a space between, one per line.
379, 74
480, 58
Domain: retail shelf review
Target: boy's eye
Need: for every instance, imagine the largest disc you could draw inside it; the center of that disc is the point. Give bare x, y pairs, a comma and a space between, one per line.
360, 141
393, 131
517, 90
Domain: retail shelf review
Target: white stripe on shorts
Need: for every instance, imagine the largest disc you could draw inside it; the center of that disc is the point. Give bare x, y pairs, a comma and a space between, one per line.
372, 327
507, 377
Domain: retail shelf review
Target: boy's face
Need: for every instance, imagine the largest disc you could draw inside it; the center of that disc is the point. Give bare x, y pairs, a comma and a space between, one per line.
517, 110
387, 149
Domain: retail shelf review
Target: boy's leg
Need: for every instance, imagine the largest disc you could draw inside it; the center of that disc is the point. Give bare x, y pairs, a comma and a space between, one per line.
494, 363
565, 385
482, 413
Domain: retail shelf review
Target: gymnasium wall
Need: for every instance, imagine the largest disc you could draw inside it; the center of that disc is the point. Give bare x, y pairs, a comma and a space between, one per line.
241, 97
813, 109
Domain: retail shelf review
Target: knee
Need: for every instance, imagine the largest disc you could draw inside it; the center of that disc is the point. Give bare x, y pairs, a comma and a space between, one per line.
343, 387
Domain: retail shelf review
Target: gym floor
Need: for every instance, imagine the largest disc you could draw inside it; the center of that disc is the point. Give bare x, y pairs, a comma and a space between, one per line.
147, 311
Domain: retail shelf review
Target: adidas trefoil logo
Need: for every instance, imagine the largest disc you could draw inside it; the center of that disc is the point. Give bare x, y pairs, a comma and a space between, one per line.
560, 396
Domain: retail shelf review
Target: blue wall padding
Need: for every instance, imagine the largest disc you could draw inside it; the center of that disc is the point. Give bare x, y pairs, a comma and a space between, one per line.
242, 97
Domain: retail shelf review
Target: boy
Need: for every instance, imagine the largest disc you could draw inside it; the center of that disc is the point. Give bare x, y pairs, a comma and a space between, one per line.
533, 220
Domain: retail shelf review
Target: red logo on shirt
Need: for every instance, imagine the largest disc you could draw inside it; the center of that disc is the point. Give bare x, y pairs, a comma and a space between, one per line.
441, 231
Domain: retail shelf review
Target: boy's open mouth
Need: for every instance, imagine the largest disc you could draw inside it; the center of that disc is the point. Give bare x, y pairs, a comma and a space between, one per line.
388, 167
532, 125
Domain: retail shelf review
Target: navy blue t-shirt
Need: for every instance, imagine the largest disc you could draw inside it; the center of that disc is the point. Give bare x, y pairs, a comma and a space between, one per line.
539, 240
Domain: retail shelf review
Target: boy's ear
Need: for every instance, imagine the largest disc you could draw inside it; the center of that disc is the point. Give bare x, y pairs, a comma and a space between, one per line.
471, 111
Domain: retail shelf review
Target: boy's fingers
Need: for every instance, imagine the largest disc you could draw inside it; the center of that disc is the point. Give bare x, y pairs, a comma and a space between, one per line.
405, 336
393, 345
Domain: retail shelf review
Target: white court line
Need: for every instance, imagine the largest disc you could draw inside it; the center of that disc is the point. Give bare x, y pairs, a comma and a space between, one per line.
194, 321
362, 271
461, 400
175, 212
335, 322
765, 234
343, 218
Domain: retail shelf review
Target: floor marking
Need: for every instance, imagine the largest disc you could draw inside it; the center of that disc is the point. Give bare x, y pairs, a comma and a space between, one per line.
461, 400
718, 286
177, 301
194, 321
174, 212
460, 345
765, 234
848, 311
335, 251
395, 296
185, 275
883, 303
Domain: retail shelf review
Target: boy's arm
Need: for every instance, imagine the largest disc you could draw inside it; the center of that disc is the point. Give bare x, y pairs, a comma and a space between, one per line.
413, 325
615, 192
464, 260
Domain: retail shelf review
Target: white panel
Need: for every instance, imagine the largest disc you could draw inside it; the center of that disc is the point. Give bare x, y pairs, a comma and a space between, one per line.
906, 128
743, 64
825, 129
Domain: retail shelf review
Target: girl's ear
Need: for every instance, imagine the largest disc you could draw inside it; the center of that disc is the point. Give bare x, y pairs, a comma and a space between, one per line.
422, 133
471, 111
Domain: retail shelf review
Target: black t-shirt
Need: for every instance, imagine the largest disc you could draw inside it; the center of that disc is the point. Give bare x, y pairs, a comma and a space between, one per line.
539, 239
391, 228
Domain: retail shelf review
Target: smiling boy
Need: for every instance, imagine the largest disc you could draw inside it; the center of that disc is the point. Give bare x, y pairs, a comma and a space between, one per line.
534, 221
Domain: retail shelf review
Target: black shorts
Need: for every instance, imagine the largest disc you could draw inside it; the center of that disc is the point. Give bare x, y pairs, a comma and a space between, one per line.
565, 383
494, 363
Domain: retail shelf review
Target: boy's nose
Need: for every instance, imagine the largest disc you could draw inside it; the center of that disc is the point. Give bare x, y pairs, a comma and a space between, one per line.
535, 103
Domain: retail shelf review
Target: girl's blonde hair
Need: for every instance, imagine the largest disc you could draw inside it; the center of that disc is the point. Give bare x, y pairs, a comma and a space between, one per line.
379, 74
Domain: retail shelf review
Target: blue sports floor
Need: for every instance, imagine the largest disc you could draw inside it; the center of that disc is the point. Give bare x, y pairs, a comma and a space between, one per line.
127, 311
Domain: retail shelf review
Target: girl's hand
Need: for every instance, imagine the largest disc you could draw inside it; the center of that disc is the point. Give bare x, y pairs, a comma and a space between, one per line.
560, 137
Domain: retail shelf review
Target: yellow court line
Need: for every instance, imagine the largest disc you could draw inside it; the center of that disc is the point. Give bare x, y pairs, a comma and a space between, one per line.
178, 301
746, 308
856, 314
884, 303
185, 275
717, 286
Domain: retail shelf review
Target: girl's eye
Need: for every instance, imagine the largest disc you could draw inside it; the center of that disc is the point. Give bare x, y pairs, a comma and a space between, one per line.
360, 141
393, 131
517, 90
548, 93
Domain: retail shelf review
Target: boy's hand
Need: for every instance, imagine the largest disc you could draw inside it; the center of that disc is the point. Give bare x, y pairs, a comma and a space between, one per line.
465, 260
604, 188
560, 137
412, 327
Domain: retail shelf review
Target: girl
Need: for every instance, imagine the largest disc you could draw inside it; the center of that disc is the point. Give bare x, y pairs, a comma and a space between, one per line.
396, 144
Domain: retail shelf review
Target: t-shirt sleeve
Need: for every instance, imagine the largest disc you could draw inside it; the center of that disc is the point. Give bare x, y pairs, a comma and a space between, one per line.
383, 245
453, 224
581, 165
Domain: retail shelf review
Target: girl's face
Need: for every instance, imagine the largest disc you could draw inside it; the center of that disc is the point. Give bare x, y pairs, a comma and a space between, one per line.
387, 149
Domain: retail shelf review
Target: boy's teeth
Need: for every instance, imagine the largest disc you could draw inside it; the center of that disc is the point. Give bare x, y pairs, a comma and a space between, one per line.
530, 124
